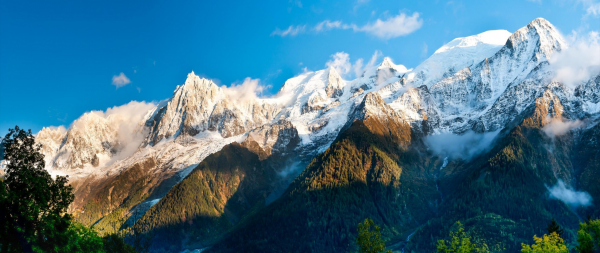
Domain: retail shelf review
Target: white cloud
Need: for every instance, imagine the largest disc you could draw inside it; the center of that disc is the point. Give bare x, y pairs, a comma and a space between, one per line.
465, 146
291, 31
393, 27
569, 196
580, 62
341, 63
120, 80
358, 67
557, 127
327, 25
396, 26
594, 9
424, 50
127, 120
248, 90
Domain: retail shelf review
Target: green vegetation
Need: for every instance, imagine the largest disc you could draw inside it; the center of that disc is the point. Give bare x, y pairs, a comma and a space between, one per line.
588, 236
369, 241
553, 227
109, 206
216, 195
502, 196
361, 174
460, 242
33, 206
547, 244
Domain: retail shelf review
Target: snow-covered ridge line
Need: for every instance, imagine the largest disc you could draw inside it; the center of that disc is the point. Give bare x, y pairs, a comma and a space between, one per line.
477, 83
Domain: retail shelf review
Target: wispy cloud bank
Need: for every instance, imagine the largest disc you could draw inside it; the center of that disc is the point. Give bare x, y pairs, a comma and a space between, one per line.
579, 62
569, 196
392, 27
592, 7
558, 127
248, 90
465, 146
126, 120
120, 80
290, 31
340, 61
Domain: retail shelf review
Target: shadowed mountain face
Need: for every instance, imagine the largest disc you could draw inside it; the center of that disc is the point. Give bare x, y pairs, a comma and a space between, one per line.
364, 174
223, 190
214, 197
502, 196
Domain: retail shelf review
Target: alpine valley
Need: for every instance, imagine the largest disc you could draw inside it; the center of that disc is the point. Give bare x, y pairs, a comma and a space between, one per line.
481, 132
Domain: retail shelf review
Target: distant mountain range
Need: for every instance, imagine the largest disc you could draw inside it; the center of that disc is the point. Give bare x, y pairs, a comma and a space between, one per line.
481, 132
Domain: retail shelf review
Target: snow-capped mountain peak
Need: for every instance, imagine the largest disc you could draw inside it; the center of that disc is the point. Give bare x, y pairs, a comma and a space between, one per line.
456, 55
539, 36
335, 84
477, 82
492, 37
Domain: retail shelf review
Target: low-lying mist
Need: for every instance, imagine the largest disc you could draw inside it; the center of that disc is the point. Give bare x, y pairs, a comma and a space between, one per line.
465, 146
569, 196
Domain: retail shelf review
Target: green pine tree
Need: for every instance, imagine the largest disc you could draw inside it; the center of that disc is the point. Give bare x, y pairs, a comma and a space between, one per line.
369, 241
588, 236
553, 227
461, 242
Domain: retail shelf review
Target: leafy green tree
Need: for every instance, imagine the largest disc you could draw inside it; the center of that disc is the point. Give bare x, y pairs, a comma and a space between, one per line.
32, 205
369, 241
588, 236
553, 227
552, 243
460, 242
114, 243
83, 239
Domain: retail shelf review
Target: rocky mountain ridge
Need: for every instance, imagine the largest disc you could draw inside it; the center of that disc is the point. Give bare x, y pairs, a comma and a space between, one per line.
492, 82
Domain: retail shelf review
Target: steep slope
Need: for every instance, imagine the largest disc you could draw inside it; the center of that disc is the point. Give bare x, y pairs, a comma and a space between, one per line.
372, 170
586, 164
222, 190
503, 196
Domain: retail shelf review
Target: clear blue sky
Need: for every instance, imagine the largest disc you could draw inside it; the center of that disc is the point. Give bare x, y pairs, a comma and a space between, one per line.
58, 58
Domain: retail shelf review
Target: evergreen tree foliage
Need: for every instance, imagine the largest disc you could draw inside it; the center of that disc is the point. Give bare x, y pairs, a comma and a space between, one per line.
369, 241
588, 236
553, 227
547, 244
461, 242
84, 239
114, 243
